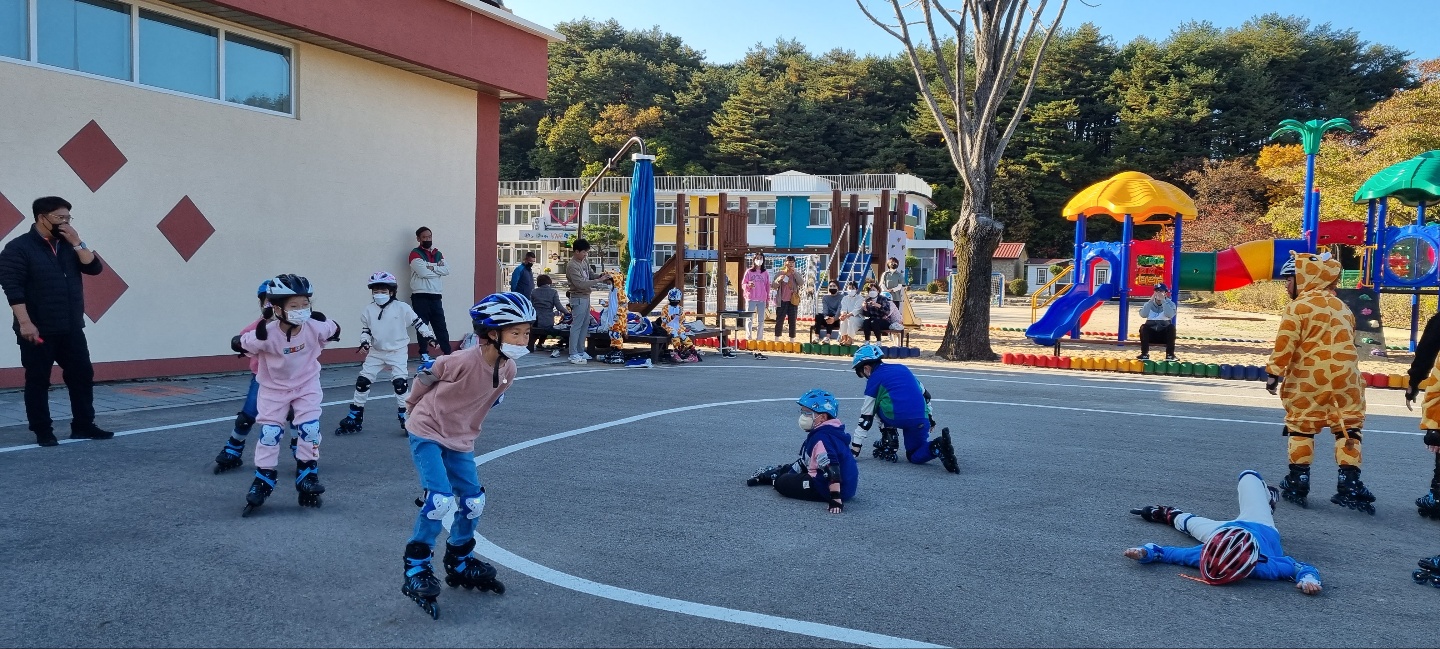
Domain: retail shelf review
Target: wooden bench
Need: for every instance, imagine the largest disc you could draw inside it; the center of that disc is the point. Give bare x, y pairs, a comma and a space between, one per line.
658, 344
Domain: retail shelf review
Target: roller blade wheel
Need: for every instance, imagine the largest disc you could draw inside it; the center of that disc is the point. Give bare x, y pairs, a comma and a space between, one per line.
1345, 500
947, 452
310, 500
349, 426
487, 584
427, 604
1296, 498
259, 491
1428, 506
226, 462
1423, 576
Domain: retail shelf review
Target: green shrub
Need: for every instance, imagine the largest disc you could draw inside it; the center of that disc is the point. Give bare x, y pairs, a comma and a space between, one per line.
1017, 287
935, 287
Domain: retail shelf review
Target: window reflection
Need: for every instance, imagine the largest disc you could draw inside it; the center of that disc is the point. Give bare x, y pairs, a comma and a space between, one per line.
15, 29
86, 35
178, 55
257, 74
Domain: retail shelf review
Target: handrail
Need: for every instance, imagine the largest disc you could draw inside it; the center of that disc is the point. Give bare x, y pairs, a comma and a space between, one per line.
1035, 296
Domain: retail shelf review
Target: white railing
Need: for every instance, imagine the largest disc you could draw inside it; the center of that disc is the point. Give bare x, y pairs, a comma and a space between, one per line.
782, 184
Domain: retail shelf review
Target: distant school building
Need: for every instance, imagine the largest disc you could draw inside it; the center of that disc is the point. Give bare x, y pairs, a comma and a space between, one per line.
208, 144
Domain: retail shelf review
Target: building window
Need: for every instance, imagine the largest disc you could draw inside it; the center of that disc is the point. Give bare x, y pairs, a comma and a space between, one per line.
179, 55
15, 29
604, 213
503, 215
525, 213
756, 212
85, 35
1102, 276
257, 73
820, 214
663, 253
665, 213
1042, 275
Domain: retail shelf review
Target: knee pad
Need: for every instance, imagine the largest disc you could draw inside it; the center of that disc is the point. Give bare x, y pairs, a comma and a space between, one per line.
437, 505
362, 384
1348, 433
400, 384
1286, 432
310, 432
270, 435
243, 423
471, 507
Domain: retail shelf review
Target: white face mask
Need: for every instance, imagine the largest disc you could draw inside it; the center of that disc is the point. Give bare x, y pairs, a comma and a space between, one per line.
381, 298
298, 316
513, 352
874, 293
807, 422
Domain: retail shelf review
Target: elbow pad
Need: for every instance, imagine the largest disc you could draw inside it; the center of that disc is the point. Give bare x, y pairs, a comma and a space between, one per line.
1432, 437
335, 338
866, 421
832, 473
235, 345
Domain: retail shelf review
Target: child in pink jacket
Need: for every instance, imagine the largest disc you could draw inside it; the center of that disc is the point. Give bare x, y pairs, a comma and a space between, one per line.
288, 354
448, 403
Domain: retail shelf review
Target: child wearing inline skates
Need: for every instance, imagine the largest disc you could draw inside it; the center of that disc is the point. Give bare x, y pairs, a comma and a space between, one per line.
385, 341
1229, 551
230, 455
894, 394
288, 353
1422, 368
450, 400
1315, 370
826, 471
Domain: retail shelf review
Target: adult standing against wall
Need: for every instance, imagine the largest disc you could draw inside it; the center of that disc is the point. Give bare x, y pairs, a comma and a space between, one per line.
40, 273
427, 267
787, 296
522, 281
756, 284
582, 282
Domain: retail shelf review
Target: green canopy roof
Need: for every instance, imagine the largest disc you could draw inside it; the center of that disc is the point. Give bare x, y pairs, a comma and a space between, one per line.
1413, 181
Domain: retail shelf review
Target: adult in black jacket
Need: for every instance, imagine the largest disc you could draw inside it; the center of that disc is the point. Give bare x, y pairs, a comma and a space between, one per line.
40, 273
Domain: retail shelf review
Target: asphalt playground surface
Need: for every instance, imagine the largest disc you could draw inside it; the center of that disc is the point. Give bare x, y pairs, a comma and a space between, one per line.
625, 521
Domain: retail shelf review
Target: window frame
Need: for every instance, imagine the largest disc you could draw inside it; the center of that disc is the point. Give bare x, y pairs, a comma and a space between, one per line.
531, 212
827, 211
502, 214
674, 213
222, 29
655, 261
590, 213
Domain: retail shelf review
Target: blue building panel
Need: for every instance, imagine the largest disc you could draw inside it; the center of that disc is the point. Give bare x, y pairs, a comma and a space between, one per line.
792, 224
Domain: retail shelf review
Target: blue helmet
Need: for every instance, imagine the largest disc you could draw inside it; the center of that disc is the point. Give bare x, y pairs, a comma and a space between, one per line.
502, 310
864, 356
820, 401
264, 290
674, 295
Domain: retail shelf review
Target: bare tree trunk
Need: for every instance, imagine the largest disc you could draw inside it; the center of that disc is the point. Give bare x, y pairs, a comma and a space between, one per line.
976, 236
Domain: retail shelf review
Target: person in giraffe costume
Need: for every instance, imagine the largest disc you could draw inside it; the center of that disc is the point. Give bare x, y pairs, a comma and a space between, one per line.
1315, 370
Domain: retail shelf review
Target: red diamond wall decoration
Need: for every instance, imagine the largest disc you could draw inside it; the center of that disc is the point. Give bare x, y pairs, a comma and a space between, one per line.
93, 156
186, 228
10, 216
103, 291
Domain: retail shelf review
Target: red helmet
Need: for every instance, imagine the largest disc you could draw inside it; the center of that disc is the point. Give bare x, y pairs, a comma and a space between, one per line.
1229, 555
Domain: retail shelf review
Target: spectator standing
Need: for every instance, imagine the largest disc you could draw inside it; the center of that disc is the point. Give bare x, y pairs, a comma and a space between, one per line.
427, 267
40, 273
757, 296
522, 281
892, 281
582, 282
787, 296
1159, 328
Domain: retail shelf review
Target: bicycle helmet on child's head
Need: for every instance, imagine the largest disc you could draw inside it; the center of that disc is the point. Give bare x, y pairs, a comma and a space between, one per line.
866, 355
383, 279
264, 290
286, 286
1229, 555
820, 401
501, 310
1288, 270
674, 296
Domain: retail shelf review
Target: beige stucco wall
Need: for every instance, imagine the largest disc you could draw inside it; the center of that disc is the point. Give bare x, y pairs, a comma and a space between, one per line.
333, 195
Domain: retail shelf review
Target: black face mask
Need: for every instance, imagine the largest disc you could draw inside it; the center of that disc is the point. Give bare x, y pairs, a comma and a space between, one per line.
426, 244
834, 291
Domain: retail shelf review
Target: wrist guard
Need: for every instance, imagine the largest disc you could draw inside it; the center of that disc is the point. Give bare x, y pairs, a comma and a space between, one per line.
1432, 437
836, 504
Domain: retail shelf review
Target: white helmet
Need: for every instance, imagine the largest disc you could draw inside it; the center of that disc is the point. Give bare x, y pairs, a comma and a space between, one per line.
383, 278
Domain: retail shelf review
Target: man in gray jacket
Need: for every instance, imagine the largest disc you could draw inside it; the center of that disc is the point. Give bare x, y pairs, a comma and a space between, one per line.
582, 282
1159, 313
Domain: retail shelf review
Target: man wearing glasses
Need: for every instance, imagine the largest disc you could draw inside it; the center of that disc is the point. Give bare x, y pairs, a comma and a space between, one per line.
40, 273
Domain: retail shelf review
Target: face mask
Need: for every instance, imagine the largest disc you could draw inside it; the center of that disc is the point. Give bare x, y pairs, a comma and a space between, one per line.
426, 244
873, 294
807, 422
834, 291
851, 291
759, 263
513, 352
298, 316
381, 298
893, 266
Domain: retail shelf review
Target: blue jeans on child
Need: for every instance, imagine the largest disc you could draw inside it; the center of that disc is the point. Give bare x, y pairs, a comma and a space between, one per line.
444, 471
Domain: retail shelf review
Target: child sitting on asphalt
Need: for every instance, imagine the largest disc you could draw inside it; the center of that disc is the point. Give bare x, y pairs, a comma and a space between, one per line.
288, 350
825, 472
386, 345
1229, 551
894, 394
451, 399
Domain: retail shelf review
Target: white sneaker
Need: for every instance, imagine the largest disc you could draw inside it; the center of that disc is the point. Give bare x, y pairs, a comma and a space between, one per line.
588, 357
578, 360
555, 354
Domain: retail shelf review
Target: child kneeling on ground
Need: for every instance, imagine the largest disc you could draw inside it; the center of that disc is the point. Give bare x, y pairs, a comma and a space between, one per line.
1229, 551
449, 401
894, 394
825, 472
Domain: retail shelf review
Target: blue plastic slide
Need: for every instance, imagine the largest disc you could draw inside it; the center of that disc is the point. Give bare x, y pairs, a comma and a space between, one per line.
1063, 316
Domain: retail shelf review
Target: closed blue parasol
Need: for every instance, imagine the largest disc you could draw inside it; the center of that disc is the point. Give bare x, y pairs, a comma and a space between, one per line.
640, 279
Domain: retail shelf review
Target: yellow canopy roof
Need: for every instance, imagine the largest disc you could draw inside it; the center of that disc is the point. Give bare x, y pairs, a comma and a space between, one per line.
1145, 199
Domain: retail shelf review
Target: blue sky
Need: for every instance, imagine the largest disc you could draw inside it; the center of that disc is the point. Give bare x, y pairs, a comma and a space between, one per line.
725, 30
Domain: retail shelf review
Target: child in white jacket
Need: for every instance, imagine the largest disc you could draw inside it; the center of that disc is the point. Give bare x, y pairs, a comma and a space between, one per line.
385, 338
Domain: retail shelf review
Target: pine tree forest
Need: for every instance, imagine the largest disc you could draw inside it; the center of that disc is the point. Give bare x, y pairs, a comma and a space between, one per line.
1195, 108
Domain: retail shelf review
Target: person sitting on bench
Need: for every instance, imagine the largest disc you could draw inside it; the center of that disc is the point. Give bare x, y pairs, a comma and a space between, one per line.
547, 308
827, 321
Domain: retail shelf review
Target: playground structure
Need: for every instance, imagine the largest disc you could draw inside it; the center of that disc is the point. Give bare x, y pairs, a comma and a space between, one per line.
1401, 259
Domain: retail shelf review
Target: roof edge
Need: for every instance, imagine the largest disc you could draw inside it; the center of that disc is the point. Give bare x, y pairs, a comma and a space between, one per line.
510, 18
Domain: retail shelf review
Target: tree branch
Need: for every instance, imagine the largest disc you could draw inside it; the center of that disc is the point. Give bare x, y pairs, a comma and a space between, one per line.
873, 19
1034, 74
963, 114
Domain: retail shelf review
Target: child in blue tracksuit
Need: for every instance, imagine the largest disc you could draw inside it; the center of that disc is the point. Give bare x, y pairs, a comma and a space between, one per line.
894, 394
1257, 505
825, 472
